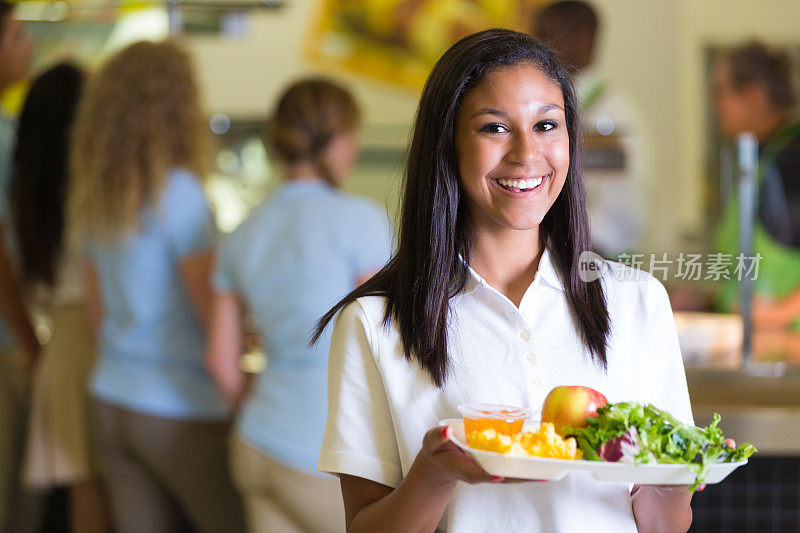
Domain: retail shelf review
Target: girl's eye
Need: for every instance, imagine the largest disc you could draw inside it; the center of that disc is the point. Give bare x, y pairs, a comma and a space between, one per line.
494, 128
546, 125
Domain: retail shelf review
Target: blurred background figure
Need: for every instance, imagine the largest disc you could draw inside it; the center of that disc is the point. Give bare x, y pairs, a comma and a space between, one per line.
58, 449
755, 90
159, 424
301, 251
18, 344
612, 157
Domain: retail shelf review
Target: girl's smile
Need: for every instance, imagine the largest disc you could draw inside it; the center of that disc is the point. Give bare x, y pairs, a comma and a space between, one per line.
521, 185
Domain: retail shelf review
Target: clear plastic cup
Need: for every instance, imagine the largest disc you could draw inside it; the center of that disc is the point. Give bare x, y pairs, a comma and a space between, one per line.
506, 419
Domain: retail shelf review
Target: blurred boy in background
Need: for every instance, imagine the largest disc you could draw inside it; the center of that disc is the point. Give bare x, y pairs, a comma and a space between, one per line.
612, 162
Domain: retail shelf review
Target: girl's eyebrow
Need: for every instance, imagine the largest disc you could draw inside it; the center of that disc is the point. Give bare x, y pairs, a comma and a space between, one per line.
490, 111
500, 113
549, 107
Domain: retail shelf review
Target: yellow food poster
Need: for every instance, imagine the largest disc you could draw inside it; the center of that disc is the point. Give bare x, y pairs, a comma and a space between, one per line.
398, 41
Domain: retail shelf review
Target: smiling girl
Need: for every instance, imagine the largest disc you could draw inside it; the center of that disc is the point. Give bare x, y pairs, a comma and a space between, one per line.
483, 303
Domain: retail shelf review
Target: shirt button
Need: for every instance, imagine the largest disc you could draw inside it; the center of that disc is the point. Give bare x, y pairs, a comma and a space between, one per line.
525, 335
536, 382
530, 357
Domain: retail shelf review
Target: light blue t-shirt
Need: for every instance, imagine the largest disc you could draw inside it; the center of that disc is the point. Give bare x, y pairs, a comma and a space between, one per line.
8, 138
152, 342
291, 261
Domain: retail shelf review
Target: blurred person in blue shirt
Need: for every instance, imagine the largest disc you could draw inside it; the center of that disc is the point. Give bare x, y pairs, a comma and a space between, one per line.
296, 255
158, 423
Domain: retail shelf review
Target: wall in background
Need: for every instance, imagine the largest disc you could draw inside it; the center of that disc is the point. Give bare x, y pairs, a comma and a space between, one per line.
652, 51
244, 75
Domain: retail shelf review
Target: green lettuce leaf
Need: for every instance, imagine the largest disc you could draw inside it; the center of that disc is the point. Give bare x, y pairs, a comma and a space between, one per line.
662, 438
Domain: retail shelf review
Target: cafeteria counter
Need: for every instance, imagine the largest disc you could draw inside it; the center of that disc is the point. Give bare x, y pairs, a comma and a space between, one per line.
765, 494
757, 409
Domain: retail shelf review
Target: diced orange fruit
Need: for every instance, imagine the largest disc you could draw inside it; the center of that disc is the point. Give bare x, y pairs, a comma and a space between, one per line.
544, 442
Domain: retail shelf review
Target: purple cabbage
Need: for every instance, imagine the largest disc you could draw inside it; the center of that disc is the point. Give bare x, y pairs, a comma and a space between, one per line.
621, 449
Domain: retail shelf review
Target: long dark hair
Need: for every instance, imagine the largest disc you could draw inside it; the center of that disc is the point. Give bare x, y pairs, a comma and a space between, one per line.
426, 270
39, 177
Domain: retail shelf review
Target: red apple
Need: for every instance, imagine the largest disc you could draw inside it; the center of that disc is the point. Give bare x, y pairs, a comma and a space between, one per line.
569, 406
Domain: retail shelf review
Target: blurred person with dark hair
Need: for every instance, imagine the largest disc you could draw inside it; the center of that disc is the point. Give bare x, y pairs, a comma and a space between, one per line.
614, 188
755, 90
297, 255
137, 157
58, 451
19, 346
570, 27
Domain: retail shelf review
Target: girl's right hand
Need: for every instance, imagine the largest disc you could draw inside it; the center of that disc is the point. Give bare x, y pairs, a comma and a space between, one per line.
448, 462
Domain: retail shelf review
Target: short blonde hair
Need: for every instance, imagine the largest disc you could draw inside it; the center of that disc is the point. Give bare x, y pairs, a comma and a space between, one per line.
139, 117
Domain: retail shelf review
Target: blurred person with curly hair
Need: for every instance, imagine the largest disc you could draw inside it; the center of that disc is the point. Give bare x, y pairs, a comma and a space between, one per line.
137, 159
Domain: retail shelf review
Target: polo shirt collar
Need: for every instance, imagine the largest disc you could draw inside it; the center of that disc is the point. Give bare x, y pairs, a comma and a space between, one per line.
548, 272
545, 274
303, 184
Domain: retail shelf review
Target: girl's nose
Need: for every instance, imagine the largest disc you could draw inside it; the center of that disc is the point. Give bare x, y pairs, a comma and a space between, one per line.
524, 149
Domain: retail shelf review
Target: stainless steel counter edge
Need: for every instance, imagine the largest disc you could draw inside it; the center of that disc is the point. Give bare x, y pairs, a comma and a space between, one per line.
774, 430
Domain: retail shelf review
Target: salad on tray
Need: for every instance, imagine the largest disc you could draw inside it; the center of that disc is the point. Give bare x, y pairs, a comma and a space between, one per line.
578, 423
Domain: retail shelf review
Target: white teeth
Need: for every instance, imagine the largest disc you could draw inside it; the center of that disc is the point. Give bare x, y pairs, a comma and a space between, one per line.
521, 184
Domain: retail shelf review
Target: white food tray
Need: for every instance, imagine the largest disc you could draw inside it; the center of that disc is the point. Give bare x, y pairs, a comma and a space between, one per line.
542, 468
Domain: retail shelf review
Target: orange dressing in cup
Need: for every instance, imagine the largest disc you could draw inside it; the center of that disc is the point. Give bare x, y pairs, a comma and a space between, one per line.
504, 419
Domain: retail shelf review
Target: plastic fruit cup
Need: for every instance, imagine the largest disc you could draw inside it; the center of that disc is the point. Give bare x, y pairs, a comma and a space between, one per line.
505, 419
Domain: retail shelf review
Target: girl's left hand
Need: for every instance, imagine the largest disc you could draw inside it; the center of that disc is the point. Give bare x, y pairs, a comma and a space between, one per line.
666, 489
662, 508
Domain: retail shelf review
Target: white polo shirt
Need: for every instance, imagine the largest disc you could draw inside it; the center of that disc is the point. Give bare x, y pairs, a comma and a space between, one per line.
380, 405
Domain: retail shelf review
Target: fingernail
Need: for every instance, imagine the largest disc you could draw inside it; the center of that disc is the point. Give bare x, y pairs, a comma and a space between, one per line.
497, 479
446, 432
